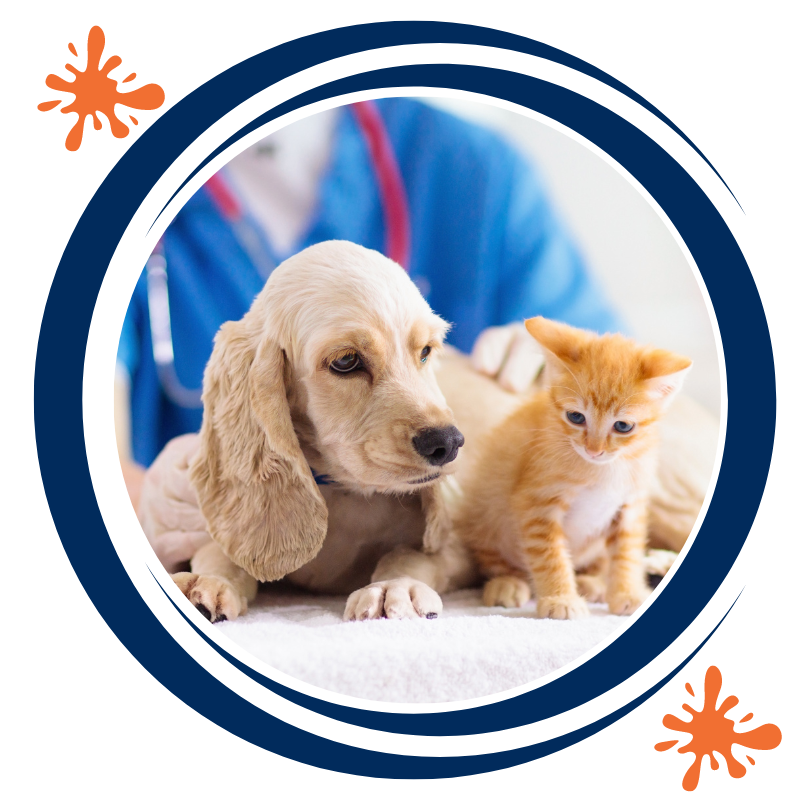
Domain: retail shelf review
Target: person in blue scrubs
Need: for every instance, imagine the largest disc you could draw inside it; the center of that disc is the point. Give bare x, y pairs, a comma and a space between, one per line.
486, 250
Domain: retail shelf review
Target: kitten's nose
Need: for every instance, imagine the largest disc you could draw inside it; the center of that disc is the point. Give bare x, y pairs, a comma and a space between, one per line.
593, 453
438, 446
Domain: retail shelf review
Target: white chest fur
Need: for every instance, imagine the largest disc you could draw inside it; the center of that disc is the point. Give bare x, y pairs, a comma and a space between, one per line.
593, 507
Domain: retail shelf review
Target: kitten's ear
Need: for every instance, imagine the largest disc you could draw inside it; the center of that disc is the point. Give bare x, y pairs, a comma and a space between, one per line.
562, 341
664, 374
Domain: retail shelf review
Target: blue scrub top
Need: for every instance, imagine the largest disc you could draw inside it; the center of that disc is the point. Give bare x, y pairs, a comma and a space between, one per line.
486, 249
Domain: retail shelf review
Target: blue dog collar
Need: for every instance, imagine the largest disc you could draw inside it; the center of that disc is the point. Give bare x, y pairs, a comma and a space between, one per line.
322, 480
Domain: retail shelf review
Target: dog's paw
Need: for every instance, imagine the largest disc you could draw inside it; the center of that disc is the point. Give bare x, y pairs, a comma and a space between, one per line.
592, 587
561, 607
400, 598
658, 562
213, 597
626, 601
508, 591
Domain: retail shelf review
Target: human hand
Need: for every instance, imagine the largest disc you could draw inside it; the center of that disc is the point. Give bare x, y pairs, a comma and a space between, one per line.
509, 354
168, 508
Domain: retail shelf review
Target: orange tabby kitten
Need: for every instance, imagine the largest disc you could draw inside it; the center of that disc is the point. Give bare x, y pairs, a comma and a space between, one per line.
562, 483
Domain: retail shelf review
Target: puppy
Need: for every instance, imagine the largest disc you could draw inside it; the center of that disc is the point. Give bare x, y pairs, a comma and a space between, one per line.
326, 444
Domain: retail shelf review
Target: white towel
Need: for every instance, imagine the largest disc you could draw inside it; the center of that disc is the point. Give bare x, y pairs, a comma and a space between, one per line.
468, 652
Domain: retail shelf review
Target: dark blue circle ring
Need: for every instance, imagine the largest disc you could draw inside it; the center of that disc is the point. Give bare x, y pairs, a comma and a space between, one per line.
178, 659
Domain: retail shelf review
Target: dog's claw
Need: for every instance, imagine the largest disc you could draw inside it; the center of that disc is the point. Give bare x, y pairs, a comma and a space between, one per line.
204, 611
432, 615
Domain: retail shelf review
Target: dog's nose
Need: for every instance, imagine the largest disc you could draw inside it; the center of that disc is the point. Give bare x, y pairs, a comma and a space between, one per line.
438, 446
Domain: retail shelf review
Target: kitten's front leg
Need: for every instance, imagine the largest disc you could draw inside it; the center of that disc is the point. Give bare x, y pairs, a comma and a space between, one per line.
627, 587
545, 547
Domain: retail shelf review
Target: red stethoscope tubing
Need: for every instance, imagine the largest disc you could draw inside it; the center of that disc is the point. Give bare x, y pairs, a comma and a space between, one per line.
390, 182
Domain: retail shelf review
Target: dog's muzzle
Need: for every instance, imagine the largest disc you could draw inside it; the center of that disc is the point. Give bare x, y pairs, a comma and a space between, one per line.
438, 446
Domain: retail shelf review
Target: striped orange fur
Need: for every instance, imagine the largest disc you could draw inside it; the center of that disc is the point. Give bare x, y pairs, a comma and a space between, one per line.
558, 500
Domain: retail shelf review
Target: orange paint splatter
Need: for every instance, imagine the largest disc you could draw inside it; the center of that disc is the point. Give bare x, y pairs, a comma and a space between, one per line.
72, 49
109, 120
746, 717
713, 733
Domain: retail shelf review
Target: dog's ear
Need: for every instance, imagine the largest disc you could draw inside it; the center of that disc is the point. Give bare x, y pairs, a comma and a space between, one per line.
255, 489
437, 504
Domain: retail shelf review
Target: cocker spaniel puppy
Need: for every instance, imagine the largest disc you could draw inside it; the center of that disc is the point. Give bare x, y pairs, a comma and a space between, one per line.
326, 444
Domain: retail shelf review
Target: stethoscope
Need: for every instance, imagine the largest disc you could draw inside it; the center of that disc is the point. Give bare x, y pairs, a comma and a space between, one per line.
396, 223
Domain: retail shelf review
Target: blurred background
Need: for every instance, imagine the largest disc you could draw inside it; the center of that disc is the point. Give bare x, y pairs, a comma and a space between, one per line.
625, 243
624, 240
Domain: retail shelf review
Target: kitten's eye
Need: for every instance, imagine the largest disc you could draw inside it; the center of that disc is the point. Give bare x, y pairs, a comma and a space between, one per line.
575, 417
346, 363
423, 356
623, 427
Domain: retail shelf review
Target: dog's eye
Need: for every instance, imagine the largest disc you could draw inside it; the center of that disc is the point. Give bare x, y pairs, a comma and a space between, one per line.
623, 427
423, 356
575, 417
346, 363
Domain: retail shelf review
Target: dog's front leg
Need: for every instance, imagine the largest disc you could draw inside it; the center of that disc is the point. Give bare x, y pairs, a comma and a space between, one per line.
216, 586
406, 584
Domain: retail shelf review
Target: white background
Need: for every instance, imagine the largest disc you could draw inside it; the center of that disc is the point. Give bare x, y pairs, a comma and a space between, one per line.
625, 243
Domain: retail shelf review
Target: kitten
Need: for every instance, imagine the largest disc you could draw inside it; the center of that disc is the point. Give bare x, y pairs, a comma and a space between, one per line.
562, 484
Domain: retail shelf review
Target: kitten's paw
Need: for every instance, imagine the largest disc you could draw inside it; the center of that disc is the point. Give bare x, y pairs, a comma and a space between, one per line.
592, 587
399, 598
507, 591
213, 597
625, 602
561, 607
